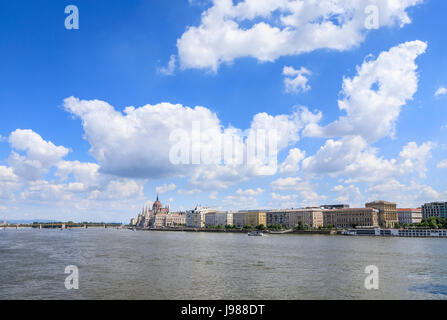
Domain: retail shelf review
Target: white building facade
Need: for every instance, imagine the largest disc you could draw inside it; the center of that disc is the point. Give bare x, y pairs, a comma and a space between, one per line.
409, 216
196, 218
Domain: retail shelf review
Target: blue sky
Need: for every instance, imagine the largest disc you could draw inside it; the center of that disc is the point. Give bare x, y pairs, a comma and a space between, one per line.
71, 159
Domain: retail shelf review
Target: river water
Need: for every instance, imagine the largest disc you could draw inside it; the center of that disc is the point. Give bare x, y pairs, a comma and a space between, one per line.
124, 264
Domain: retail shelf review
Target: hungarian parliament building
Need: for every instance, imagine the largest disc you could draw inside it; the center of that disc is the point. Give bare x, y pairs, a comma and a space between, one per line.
159, 217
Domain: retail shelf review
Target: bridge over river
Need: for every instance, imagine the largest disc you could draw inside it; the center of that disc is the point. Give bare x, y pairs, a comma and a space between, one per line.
61, 225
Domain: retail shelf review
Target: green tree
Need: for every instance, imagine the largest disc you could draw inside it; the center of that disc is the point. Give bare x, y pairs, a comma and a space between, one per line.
299, 226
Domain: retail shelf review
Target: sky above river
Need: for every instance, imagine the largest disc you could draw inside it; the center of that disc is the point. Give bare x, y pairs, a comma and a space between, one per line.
105, 104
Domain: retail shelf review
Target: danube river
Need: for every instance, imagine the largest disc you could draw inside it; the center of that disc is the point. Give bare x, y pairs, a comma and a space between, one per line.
124, 264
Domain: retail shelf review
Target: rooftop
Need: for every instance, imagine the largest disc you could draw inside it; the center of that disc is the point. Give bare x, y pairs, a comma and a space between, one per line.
380, 202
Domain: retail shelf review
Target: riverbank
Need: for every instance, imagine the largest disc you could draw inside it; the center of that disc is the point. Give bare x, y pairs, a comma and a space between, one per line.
406, 233
186, 229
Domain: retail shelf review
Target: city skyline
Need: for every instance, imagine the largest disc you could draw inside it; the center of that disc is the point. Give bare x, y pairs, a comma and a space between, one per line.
87, 114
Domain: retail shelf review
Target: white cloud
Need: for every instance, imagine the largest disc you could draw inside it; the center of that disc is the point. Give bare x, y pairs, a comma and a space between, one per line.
306, 191
119, 188
374, 97
442, 164
9, 182
85, 172
240, 202
349, 195
250, 192
40, 155
165, 188
279, 197
78, 183
82, 181
121, 142
169, 70
413, 195
352, 157
136, 143
441, 91
7, 174
292, 163
371, 115
275, 28
413, 158
189, 191
296, 80
213, 195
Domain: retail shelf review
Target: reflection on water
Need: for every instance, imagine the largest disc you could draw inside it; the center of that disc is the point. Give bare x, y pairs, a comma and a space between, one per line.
122, 264
431, 288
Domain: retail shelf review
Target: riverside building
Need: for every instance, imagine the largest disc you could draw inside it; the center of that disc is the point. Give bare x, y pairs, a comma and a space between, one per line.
289, 218
351, 217
239, 219
434, 209
255, 218
335, 206
159, 217
224, 218
409, 215
221, 218
387, 213
196, 218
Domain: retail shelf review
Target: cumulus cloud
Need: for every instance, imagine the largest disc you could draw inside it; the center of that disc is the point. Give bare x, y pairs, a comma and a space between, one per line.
137, 144
296, 80
268, 29
40, 155
350, 194
441, 91
292, 163
170, 68
374, 97
9, 182
413, 158
442, 164
352, 157
279, 197
119, 188
213, 195
250, 192
165, 188
73, 181
240, 202
372, 100
189, 191
413, 195
303, 188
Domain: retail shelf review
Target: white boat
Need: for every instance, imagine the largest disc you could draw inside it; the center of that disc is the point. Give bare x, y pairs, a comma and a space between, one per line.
256, 233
